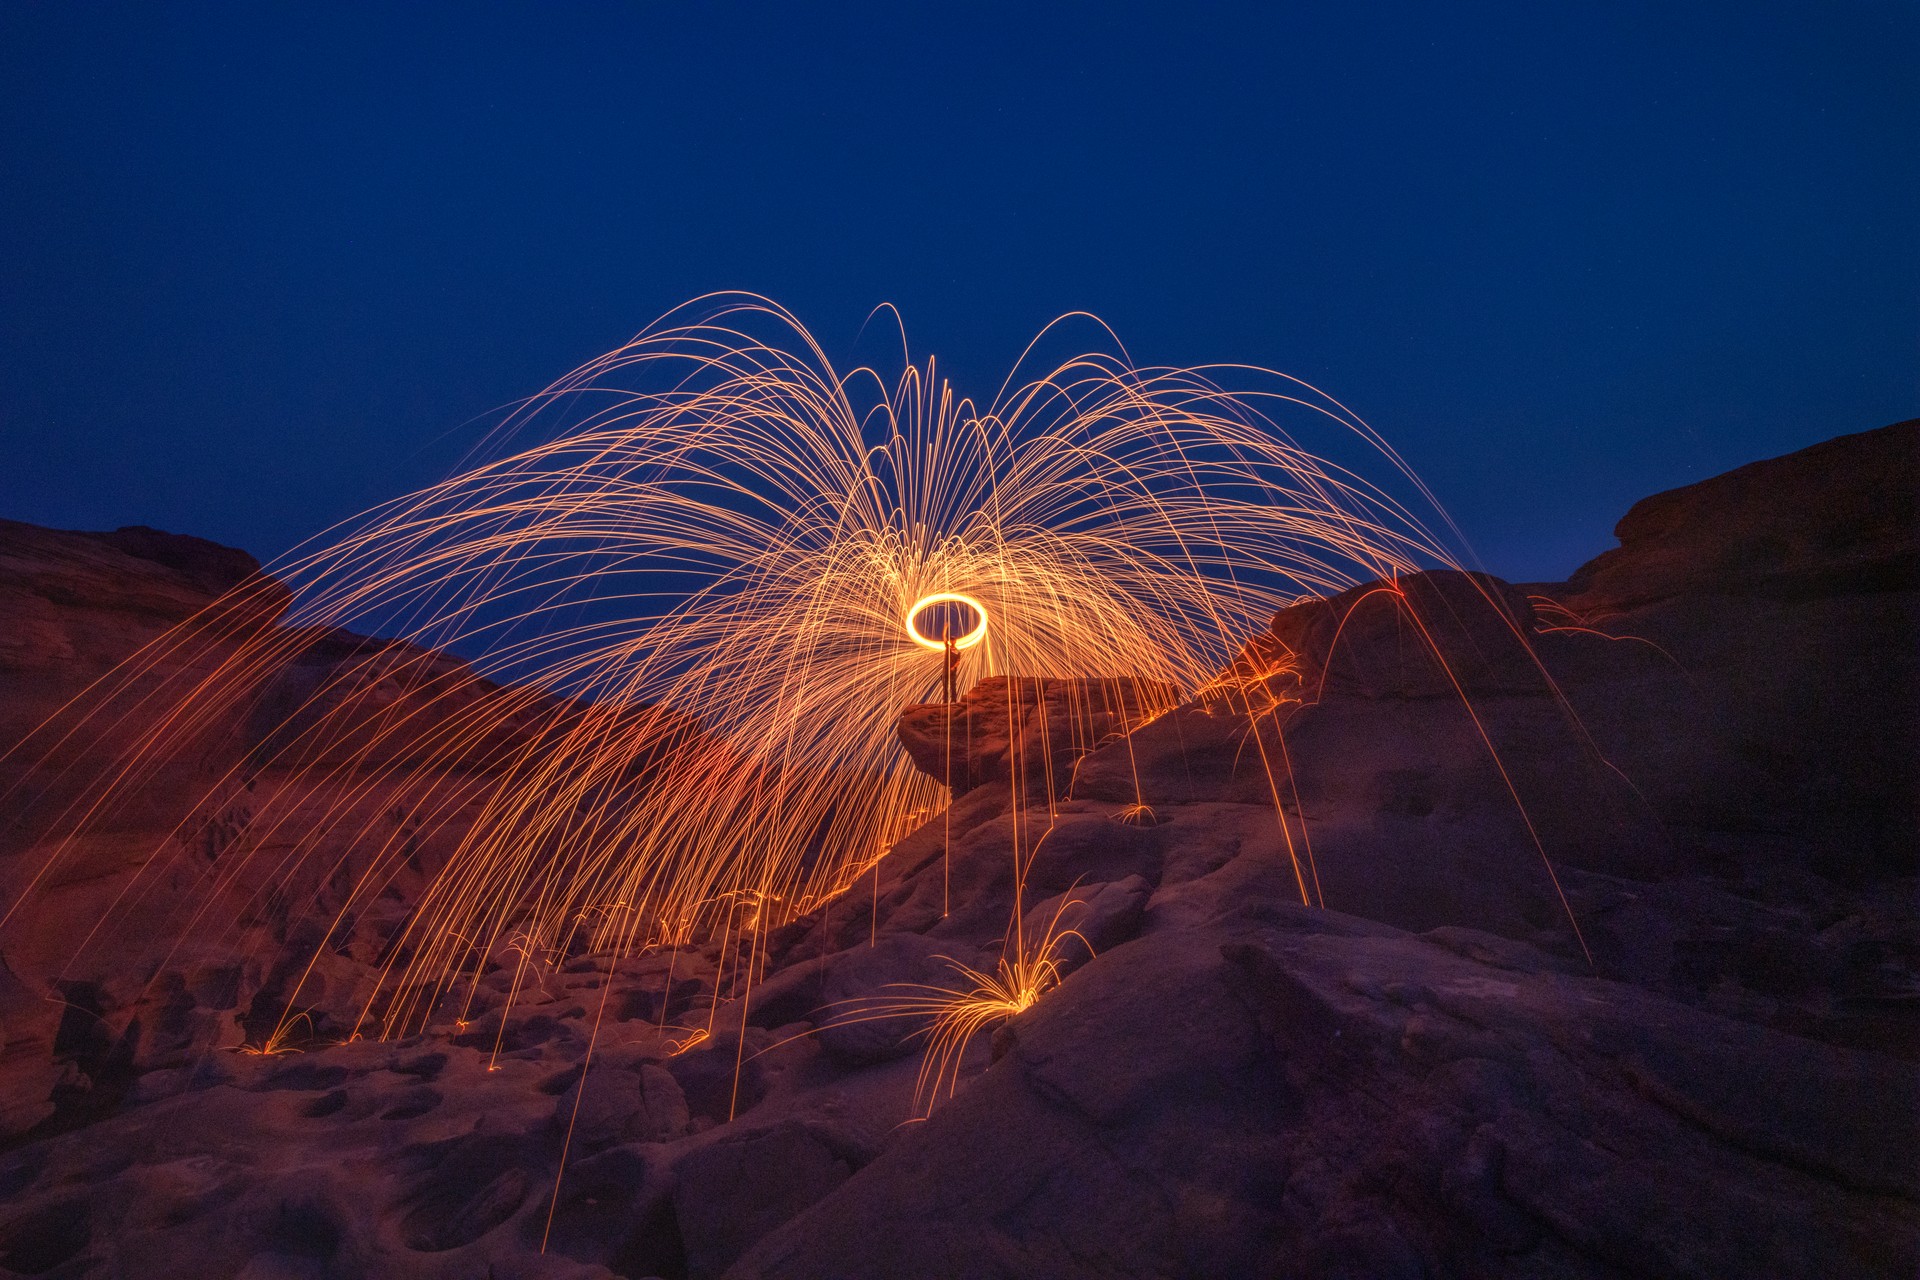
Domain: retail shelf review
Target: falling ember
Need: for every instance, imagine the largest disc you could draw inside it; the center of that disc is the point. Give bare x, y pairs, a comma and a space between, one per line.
688, 563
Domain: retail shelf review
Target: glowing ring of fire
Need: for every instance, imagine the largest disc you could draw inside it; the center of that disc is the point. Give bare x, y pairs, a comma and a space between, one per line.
966, 641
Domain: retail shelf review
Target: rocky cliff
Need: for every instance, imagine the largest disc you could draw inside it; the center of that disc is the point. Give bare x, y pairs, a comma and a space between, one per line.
166, 924
1460, 929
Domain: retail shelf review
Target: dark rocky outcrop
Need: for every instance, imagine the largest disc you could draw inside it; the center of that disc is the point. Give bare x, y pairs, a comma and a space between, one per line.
1836, 518
1701, 750
1280, 1091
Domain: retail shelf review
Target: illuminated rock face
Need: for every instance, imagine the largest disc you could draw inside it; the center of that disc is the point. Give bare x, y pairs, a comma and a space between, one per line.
199, 958
72, 605
1027, 729
1426, 1078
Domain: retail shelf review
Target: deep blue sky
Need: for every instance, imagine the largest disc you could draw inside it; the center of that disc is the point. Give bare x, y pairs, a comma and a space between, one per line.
258, 259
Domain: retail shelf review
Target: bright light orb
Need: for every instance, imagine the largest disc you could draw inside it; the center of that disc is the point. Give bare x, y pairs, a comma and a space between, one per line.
967, 641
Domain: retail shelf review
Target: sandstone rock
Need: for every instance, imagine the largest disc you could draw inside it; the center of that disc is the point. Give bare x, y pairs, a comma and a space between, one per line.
1102, 915
1837, 518
620, 1105
1427, 635
733, 1192
1028, 729
1261, 1100
1428, 1079
860, 1023
124, 905
1785, 597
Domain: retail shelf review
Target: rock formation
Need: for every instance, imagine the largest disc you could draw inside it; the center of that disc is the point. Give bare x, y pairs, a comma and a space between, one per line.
1026, 728
104, 978
1701, 751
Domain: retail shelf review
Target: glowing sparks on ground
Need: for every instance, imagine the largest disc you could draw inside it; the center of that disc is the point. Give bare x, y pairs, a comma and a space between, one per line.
281, 1039
1027, 970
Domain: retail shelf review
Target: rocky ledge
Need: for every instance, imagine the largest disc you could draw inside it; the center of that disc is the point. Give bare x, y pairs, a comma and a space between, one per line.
1337, 1008
1026, 728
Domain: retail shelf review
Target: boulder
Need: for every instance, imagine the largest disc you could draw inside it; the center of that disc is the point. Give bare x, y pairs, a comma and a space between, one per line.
1029, 730
733, 1192
872, 997
1290, 1092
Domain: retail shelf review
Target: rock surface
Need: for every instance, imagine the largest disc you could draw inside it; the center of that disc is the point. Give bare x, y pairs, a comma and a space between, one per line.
1426, 1076
198, 956
1028, 729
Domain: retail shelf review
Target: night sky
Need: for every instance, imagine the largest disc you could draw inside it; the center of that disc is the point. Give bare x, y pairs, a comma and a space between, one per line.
265, 264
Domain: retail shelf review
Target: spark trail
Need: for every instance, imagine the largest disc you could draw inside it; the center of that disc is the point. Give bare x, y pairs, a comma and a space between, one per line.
695, 566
